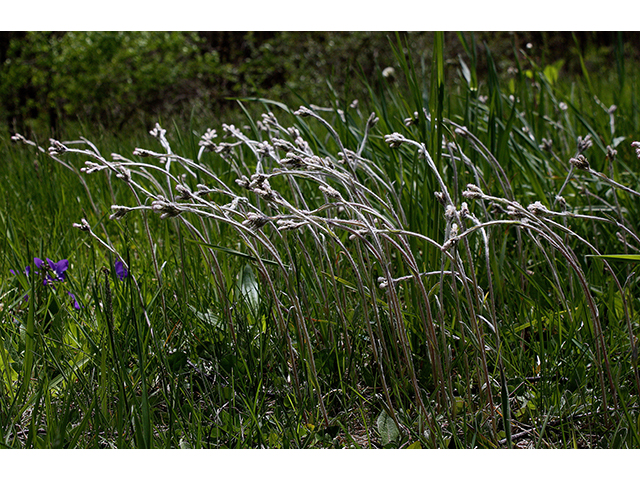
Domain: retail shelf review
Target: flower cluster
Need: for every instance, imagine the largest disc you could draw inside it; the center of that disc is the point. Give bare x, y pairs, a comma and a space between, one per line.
580, 162
584, 143
53, 272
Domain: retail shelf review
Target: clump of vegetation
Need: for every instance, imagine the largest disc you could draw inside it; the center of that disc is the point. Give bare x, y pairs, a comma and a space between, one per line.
124, 79
55, 81
415, 269
105, 77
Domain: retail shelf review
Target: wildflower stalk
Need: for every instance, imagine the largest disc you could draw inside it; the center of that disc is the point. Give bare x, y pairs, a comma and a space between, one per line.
306, 220
85, 227
53, 154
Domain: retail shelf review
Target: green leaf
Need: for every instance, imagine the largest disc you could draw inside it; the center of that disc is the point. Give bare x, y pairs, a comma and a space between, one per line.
249, 288
617, 141
466, 73
230, 251
9, 375
387, 428
632, 258
552, 71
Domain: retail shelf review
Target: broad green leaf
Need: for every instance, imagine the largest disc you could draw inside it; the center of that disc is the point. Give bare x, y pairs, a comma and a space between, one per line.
458, 405
387, 428
249, 288
552, 71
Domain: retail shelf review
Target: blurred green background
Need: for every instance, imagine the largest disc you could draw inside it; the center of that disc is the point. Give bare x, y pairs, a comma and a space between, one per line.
123, 80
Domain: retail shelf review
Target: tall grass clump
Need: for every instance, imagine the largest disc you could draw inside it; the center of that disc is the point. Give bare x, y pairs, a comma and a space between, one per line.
422, 268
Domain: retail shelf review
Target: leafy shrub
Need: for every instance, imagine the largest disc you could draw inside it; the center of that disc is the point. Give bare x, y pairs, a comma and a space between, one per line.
103, 76
113, 77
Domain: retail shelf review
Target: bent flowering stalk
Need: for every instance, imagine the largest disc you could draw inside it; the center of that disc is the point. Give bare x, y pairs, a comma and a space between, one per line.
335, 221
534, 220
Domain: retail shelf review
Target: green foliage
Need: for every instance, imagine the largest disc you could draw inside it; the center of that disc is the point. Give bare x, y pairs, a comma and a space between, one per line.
103, 76
113, 78
376, 299
387, 429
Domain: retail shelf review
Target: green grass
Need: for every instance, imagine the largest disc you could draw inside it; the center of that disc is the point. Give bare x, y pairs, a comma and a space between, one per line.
391, 284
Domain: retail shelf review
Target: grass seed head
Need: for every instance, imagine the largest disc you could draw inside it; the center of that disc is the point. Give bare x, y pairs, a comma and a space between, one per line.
157, 131
462, 131
56, 147
124, 174
283, 145
303, 112
91, 167
514, 209
206, 140
546, 145
450, 212
165, 208
141, 152
265, 149
464, 210
562, 202
372, 121
330, 192
184, 192
292, 160
244, 182
446, 246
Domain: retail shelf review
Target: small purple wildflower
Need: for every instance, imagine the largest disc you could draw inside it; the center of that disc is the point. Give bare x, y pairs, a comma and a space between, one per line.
56, 268
27, 270
121, 270
59, 268
55, 272
76, 305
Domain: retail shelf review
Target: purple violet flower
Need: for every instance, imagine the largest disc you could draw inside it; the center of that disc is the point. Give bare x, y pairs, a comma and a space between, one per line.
121, 270
59, 268
27, 270
55, 272
76, 305
56, 268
